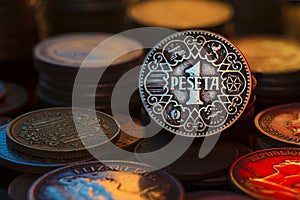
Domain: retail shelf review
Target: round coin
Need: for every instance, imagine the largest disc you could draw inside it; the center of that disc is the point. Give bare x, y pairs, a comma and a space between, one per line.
51, 133
280, 123
271, 174
195, 83
112, 180
17, 161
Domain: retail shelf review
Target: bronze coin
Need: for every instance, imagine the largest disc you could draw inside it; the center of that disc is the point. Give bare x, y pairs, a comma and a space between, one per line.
14, 160
15, 100
109, 180
195, 83
52, 133
19, 187
271, 174
280, 123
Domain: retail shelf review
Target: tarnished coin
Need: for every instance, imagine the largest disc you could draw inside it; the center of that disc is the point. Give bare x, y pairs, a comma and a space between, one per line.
198, 14
271, 174
51, 133
70, 50
19, 187
280, 123
195, 83
14, 160
112, 180
15, 100
215, 195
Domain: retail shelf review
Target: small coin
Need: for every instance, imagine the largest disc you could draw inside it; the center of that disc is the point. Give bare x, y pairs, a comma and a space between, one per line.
109, 180
70, 50
17, 161
195, 83
271, 174
198, 14
280, 123
19, 187
271, 54
189, 168
15, 100
52, 133
215, 195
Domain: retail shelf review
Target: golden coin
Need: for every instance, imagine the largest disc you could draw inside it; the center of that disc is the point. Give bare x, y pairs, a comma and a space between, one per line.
52, 132
178, 14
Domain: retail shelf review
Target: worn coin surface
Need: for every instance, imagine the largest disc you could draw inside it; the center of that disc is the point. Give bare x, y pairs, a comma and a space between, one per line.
195, 83
51, 133
268, 174
14, 160
281, 123
112, 180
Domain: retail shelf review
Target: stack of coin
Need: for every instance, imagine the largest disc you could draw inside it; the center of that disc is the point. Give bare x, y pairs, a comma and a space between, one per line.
193, 172
108, 180
279, 126
181, 15
41, 140
275, 62
268, 174
59, 58
61, 16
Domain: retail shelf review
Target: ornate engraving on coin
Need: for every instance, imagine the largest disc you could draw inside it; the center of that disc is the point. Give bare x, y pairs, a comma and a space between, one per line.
269, 174
112, 180
195, 83
281, 123
52, 133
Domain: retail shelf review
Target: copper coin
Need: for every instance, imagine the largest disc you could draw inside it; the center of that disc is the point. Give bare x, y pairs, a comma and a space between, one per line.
195, 83
215, 195
271, 174
14, 160
19, 187
51, 133
109, 180
199, 14
280, 123
15, 100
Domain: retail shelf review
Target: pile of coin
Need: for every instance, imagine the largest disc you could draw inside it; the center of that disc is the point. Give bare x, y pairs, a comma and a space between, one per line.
275, 62
197, 15
59, 58
61, 16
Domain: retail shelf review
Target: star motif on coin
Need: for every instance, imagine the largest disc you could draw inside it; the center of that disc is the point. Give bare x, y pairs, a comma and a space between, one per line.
234, 83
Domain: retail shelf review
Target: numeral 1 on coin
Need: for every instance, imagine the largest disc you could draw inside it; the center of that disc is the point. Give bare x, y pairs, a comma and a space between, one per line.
194, 98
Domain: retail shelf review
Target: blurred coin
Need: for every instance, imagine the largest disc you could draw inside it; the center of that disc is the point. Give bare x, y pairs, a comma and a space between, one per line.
109, 180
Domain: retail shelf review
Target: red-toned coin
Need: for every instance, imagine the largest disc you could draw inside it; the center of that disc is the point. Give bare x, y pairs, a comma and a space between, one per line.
271, 174
281, 123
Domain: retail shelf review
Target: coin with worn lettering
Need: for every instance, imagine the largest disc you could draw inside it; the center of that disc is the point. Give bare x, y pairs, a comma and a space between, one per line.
14, 160
51, 133
280, 123
271, 174
109, 180
19, 187
215, 195
195, 83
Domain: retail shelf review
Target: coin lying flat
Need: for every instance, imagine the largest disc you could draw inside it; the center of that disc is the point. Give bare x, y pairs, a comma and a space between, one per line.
51, 133
215, 195
280, 123
9, 158
112, 180
19, 187
271, 174
195, 83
